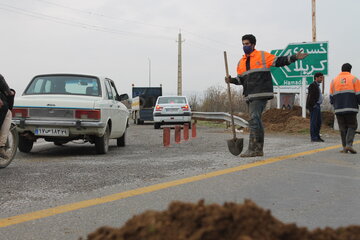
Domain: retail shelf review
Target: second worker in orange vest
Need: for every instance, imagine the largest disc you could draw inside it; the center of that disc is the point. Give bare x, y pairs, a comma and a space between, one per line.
345, 97
253, 73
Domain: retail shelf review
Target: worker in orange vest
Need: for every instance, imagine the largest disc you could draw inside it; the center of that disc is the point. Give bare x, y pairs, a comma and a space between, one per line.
345, 98
253, 73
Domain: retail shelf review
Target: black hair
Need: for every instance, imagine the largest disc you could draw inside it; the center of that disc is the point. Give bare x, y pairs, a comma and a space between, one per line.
318, 74
249, 37
346, 67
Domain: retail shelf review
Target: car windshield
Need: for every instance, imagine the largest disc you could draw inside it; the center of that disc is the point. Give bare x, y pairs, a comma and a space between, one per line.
70, 85
172, 100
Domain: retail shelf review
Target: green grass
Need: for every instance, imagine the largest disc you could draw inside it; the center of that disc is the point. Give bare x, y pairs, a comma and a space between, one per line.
214, 124
304, 131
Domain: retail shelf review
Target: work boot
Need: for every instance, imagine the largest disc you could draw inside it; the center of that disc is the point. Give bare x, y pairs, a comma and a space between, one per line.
251, 148
259, 149
343, 141
259, 145
350, 139
350, 149
344, 150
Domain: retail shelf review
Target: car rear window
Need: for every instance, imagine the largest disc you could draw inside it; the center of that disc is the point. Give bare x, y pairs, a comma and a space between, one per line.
172, 100
71, 85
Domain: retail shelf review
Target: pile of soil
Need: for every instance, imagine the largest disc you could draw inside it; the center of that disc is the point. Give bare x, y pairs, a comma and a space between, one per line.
291, 121
214, 222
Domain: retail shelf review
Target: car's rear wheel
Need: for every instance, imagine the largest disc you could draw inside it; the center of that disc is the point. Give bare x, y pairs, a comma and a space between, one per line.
157, 125
121, 140
102, 143
25, 144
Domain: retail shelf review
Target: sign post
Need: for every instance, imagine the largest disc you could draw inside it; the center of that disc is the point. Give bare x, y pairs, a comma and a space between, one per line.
303, 93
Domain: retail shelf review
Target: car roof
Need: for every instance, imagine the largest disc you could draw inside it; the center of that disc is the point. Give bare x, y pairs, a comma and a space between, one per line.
73, 74
171, 96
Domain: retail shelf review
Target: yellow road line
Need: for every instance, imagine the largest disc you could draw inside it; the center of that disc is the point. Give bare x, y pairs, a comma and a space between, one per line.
5, 222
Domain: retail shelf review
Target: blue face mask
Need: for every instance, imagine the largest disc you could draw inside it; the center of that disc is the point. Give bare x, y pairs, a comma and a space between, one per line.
248, 49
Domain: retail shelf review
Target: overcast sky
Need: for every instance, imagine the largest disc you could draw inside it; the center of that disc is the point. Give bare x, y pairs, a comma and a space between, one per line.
119, 38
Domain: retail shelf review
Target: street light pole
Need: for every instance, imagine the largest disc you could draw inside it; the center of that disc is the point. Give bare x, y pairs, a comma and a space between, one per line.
149, 72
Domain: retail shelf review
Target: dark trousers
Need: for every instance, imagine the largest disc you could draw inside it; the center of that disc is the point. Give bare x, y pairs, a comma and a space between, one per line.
315, 122
346, 121
347, 125
256, 108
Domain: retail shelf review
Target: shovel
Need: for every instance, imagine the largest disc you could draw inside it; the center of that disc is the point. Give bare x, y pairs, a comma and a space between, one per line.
235, 145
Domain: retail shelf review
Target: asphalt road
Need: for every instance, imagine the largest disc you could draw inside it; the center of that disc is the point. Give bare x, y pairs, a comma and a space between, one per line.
69, 191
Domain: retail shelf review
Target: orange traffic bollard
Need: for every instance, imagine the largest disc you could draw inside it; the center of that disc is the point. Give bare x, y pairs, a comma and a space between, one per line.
193, 130
177, 134
166, 136
186, 131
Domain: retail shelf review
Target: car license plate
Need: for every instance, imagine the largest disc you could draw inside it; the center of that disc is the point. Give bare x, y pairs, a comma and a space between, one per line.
62, 132
172, 109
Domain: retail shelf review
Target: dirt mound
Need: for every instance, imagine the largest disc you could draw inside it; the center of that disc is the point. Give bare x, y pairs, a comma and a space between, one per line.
276, 116
291, 121
214, 222
294, 124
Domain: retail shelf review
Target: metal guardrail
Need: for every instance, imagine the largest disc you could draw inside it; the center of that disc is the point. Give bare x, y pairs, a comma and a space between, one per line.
220, 116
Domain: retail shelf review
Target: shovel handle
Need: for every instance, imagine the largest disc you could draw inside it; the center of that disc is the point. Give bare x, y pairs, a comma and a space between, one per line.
229, 94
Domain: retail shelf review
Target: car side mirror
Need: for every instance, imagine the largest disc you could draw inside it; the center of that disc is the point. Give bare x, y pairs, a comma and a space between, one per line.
123, 97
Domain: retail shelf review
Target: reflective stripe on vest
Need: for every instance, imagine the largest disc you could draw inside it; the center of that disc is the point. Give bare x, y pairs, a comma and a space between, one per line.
257, 61
254, 70
265, 94
346, 110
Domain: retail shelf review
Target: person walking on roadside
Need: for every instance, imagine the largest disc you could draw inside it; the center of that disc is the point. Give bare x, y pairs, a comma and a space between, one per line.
313, 102
345, 98
6, 103
253, 73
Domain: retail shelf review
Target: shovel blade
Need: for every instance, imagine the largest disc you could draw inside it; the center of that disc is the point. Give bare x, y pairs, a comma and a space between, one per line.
235, 146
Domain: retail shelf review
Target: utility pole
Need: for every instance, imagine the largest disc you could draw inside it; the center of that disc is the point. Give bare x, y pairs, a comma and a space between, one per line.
313, 20
313, 4
149, 72
179, 88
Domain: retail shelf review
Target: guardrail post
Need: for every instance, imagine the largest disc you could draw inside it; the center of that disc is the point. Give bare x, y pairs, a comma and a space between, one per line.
186, 131
166, 136
177, 134
193, 130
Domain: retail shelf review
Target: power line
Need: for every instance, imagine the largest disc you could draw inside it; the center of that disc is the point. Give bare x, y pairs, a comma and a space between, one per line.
132, 21
74, 23
105, 16
209, 39
70, 22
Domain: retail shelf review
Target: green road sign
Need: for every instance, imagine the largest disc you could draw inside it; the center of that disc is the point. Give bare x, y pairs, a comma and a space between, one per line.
292, 75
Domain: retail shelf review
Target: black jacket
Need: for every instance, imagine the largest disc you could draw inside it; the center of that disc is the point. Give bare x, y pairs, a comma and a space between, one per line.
313, 95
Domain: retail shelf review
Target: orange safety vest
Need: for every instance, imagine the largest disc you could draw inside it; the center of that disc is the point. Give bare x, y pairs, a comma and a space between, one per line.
257, 81
345, 93
259, 61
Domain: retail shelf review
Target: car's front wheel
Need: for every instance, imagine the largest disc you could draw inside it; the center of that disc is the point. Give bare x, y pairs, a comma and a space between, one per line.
157, 125
25, 144
102, 143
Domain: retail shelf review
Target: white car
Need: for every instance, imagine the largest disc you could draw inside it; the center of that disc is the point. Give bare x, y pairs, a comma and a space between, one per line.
64, 107
171, 110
